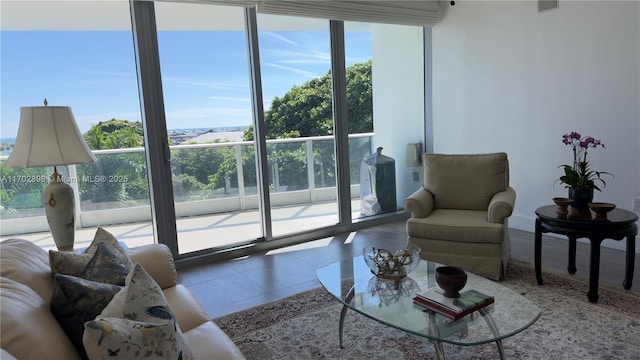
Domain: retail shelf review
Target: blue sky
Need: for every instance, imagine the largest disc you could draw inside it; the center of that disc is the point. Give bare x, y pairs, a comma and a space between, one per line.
205, 74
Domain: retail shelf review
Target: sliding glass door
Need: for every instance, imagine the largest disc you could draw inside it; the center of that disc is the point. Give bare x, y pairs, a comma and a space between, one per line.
295, 65
207, 98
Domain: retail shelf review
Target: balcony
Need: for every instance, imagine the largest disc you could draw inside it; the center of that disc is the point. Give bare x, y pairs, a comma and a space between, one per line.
113, 192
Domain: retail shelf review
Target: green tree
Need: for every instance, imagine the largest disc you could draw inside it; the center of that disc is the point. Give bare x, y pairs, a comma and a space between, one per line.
306, 110
114, 134
95, 138
119, 178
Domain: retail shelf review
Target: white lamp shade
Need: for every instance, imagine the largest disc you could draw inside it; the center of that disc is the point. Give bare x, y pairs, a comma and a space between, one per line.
48, 136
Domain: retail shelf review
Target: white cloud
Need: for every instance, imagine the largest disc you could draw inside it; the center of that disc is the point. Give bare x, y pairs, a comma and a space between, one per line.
279, 37
217, 85
225, 98
294, 70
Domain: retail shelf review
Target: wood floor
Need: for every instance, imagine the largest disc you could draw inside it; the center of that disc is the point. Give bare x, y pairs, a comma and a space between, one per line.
228, 286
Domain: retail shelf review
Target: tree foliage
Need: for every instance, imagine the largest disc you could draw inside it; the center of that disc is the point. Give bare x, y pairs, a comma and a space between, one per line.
306, 110
119, 178
115, 134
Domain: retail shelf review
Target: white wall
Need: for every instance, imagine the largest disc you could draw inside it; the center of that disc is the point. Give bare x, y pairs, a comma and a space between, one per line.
507, 78
398, 98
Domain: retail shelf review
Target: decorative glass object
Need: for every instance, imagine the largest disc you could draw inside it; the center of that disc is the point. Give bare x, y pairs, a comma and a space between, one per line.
392, 263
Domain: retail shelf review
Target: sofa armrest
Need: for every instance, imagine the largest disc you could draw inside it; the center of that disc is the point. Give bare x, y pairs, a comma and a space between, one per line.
501, 205
420, 203
158, 261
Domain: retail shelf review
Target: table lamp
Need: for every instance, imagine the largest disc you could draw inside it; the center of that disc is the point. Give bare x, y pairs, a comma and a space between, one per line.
49, 136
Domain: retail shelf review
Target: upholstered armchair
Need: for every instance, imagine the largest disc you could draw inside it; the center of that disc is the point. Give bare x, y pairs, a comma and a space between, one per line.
459, 216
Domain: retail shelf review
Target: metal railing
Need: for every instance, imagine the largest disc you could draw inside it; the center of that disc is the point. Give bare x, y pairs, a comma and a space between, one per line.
114, 189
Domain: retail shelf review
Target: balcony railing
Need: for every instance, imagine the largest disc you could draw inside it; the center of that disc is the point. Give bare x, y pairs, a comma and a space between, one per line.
114, 189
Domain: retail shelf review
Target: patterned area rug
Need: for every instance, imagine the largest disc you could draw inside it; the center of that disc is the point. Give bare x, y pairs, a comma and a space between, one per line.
305, 326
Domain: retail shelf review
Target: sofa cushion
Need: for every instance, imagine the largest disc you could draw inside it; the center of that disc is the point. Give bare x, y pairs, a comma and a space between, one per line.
28, 264
116, 338
29, 330
75, 301
142, 300
74, 263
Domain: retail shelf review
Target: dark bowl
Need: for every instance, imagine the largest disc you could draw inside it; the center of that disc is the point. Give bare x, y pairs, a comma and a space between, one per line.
601, 209
451, 279
561, 201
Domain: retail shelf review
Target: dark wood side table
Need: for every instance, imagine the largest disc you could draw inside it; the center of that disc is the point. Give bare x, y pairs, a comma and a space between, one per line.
618, 225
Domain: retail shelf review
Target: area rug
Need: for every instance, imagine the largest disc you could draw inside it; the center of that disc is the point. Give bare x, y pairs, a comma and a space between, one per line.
305, 326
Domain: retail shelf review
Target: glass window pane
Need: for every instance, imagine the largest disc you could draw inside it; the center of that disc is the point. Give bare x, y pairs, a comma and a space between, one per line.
296, 84
84, 60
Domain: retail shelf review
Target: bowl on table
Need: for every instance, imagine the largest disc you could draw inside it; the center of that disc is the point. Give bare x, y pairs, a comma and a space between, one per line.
451, 279
601, 209
562, 203
392, 263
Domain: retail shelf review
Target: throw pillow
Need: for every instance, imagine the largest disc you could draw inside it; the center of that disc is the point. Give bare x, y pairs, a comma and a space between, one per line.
106, 267
128, 339
75, 301
142, 300
73, 263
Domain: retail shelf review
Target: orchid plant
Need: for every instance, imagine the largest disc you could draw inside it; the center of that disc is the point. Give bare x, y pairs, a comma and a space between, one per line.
578, 175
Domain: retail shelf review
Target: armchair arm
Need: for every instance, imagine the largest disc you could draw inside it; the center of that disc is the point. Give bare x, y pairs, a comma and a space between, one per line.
157, 260
420, 203
501, 205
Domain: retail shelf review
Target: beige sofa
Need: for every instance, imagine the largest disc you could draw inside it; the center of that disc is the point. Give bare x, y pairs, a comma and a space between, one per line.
460, 215
30, 331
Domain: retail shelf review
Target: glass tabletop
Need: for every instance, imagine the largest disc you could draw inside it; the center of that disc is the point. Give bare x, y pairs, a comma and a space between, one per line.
391, 302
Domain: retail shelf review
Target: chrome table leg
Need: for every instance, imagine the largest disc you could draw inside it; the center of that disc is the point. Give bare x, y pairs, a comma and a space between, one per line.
343, 313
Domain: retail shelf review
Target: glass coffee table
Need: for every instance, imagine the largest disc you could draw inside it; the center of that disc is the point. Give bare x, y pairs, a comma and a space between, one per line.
390, 302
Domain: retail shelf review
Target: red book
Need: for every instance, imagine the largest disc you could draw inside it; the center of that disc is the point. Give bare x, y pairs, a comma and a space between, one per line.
453, 308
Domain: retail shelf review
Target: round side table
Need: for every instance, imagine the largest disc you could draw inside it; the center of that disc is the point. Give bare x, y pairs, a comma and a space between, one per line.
619, 224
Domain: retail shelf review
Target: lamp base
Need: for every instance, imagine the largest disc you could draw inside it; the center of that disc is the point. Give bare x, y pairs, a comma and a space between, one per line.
59, 208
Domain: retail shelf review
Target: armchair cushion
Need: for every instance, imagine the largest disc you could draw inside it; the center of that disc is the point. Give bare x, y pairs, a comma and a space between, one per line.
468, 182
465, 226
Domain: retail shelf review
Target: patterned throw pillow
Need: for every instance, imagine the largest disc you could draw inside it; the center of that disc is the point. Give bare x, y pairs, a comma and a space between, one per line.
106, 267
141, 301
73, 263
128, 339
75, 301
